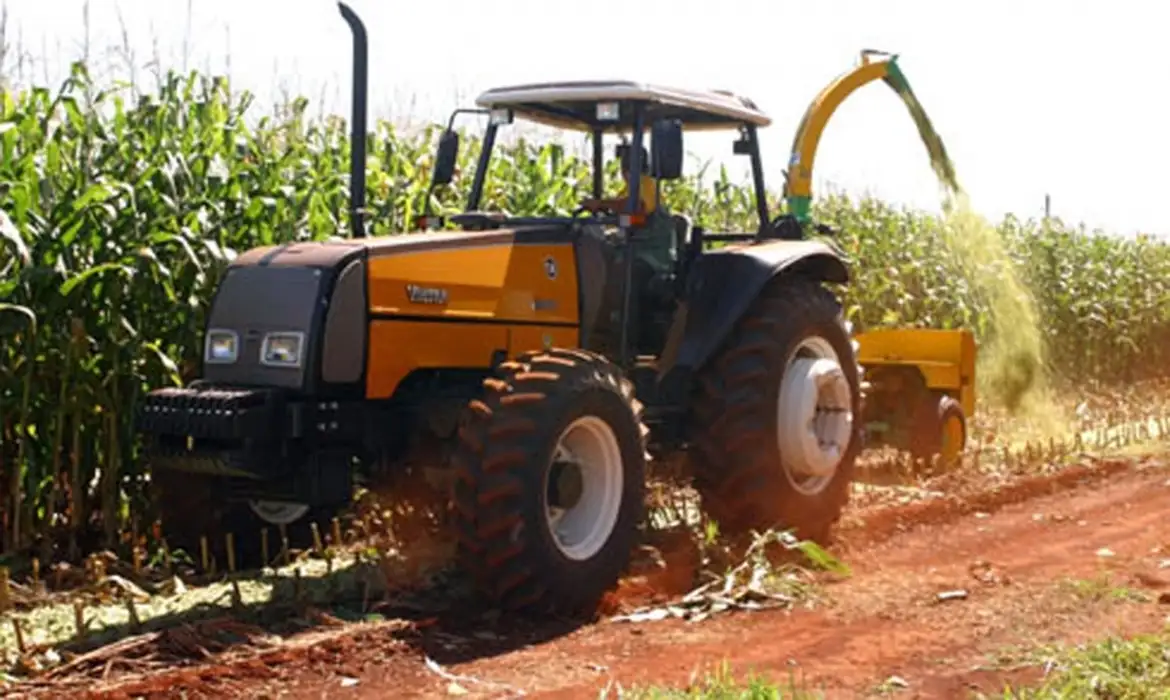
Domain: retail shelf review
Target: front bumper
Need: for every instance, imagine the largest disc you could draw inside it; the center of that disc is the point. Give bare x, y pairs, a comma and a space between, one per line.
220, 414
237, 432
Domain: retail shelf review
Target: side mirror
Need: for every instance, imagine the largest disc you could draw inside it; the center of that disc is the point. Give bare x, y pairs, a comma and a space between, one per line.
445, 158
667, 147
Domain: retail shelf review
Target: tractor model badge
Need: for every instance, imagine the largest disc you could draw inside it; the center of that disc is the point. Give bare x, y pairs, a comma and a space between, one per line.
426, 295
550, 267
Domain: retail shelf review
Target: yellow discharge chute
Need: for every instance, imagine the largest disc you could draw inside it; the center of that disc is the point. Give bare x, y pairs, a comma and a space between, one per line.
798, 187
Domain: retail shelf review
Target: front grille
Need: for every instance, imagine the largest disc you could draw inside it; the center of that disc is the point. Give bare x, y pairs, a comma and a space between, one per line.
208, 413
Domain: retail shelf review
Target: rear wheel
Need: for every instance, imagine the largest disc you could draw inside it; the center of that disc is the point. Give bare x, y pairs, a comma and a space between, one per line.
776, 434
549, 482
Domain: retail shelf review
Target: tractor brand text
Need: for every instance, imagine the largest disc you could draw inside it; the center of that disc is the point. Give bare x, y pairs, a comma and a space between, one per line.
426, 295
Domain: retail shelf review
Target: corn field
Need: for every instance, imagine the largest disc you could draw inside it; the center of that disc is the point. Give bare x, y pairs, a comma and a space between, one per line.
118, 213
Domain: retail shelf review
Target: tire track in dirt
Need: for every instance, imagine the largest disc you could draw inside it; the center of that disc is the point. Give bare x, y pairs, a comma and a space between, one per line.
882, 621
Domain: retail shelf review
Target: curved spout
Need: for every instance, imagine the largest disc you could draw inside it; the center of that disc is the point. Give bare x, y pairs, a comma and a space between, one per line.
798, 188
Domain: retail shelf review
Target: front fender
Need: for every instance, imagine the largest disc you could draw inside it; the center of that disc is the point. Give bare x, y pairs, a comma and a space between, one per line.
725, 282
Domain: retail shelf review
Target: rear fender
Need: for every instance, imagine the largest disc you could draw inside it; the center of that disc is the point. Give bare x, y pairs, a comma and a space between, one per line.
725, 282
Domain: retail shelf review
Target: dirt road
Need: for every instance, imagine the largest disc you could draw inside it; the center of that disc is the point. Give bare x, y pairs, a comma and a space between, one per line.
1063, 558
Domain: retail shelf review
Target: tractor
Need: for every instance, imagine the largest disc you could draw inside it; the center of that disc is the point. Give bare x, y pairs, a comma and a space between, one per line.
537, 368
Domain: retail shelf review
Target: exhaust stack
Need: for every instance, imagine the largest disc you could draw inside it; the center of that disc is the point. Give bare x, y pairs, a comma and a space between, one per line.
357, 163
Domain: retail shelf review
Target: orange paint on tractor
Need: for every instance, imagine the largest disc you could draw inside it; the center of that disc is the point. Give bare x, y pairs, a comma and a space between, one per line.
511, 297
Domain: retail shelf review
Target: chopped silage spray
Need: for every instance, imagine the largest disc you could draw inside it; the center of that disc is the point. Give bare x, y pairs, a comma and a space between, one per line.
1011, 373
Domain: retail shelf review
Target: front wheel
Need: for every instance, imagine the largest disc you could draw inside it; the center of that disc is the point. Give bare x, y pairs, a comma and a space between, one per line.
193, 507
549, 482
776, 416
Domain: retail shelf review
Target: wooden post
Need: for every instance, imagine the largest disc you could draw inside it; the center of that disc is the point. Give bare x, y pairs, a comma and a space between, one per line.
135, 556
297, 587
5, 595
364, 572
135, 623
79, 618
230, 540
317, 538
284, 553
16, 627
237, 597
365, 592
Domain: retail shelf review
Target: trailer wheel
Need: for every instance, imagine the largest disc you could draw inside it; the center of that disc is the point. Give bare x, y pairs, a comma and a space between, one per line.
549, 482
940, 429
777, 416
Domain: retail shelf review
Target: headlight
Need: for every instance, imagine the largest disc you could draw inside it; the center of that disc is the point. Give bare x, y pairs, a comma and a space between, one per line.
282, 349
221, 347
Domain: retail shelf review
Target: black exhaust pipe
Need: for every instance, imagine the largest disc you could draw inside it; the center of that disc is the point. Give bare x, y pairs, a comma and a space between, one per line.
357, 162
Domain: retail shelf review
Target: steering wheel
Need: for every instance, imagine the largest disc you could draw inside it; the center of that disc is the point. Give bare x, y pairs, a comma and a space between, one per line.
478, 220
592, 212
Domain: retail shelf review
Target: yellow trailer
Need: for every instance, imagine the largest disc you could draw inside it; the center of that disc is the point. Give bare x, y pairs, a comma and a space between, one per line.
919, 391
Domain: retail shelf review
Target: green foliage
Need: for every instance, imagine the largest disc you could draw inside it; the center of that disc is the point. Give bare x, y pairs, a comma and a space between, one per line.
119, 212
721, 684
1134, 669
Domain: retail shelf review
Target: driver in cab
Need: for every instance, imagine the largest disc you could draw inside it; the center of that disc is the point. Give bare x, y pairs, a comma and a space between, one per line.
656, 244
647, 190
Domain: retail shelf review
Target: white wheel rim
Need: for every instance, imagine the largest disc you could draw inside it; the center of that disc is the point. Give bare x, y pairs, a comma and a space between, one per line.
815, 416
279, 512
582, 528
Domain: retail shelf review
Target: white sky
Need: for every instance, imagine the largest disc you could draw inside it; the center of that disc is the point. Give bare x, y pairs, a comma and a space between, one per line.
1030, 97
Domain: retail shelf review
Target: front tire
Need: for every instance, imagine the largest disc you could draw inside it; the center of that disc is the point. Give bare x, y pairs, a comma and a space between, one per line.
192, 506
550, 482
777, 416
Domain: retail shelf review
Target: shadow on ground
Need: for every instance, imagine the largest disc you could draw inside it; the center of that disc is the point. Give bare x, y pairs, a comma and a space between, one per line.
440, 618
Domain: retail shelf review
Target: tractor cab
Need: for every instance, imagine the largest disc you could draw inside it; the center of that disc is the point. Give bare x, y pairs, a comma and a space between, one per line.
643, 125
633, 115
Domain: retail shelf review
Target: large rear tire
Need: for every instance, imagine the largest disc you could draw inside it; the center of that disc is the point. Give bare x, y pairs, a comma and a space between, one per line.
549, 482
777, 416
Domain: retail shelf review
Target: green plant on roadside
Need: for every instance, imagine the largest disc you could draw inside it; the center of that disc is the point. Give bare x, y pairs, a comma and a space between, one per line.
1123, 669
720, 684
1102, 588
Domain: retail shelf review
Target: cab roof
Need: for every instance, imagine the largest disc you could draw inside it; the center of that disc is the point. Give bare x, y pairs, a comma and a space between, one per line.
573, 104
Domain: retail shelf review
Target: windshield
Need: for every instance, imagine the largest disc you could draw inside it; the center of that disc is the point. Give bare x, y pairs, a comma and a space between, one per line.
610, 177
552, 178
